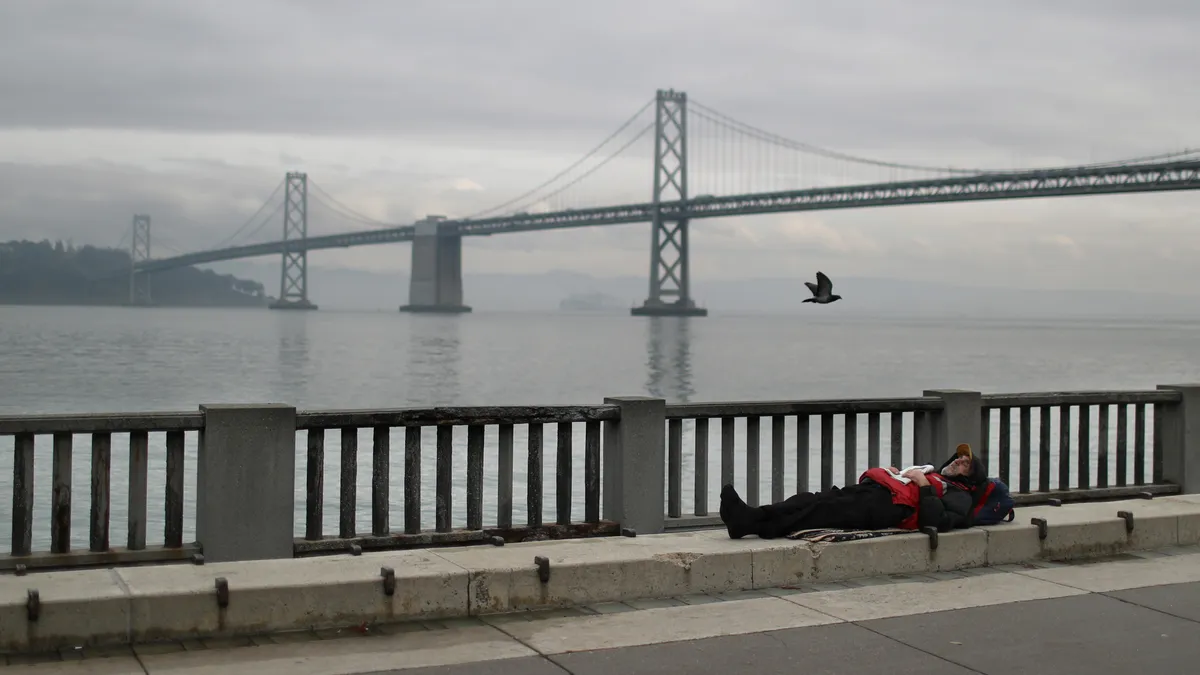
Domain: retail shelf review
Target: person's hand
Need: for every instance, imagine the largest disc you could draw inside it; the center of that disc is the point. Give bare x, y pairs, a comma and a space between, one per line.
892, 469
917, 476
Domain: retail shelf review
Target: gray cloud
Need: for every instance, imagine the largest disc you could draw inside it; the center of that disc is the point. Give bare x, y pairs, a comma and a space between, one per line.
453, 93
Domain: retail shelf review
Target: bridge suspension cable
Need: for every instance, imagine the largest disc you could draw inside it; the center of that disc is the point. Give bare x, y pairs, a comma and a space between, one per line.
550, 181
699, 109
579, 179
227, 241
322, 196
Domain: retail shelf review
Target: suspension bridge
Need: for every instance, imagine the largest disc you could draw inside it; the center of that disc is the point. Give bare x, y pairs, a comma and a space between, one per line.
733, 168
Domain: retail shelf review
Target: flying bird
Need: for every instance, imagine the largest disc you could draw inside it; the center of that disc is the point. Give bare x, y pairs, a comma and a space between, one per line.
822, 290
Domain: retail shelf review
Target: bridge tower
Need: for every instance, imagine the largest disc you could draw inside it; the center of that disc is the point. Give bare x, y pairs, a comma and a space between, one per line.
670, 292
293, 275
139, 251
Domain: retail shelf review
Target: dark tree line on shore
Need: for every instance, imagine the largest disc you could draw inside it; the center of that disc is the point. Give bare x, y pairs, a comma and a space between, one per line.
45, 273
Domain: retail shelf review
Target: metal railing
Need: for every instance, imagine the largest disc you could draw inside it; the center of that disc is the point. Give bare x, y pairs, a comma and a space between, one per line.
58, 433
813, 425
496, 424
1077, 454
459, 475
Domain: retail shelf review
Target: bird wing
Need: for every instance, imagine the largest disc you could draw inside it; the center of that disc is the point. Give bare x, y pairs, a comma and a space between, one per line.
824, 285
811, 286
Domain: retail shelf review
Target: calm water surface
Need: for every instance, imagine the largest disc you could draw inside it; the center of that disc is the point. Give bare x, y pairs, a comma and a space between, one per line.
76, 360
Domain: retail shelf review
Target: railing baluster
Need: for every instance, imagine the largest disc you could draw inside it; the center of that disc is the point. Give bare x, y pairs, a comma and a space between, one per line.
1139, 444
475, 476
985, 438
22, 511
1102, 452
850, 449
752, 463
444, 476
173, 503
591, 472
412, 480
101, 462
1005, 443
897, 458
1156, 459
60, 505
674, 468
381, 479
1083, 448
1026, 446
314, 512
872, 440
826, 451
918, 420
1044, 448
1122, 445
700, 508
777, 431
562, 470
139, 454
803, 453
348, 482
1064, 447
504, 484
727, 450
533, 486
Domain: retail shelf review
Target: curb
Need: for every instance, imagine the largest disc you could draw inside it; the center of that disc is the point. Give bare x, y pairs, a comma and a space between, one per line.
119, 606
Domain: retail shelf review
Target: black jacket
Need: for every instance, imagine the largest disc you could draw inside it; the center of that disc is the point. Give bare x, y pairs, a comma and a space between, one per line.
953, 509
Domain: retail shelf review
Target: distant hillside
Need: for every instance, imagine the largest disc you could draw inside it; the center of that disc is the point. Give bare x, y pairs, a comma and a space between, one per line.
42, 273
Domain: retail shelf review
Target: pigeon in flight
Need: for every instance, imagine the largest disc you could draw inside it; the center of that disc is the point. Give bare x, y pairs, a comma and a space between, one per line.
822, 290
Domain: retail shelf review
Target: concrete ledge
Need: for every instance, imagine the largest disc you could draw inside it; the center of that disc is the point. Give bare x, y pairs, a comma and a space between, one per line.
147, 604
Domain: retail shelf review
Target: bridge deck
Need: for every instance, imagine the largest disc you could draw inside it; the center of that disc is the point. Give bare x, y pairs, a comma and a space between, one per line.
1063, 182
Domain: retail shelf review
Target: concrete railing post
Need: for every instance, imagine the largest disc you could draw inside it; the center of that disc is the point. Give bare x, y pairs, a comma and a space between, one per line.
958, 422
634, 464
1181, 438
245, 482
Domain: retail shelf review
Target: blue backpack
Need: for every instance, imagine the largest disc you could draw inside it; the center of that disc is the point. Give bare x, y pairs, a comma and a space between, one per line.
994, 505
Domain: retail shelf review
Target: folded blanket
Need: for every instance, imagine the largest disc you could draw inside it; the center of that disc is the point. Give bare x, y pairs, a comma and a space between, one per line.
834, 535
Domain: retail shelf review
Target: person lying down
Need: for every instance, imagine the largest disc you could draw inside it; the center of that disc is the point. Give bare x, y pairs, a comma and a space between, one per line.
883, 498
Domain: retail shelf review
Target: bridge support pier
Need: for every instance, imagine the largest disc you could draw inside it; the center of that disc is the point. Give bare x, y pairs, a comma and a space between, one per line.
435, 280
670, 292
293, 277
139, 251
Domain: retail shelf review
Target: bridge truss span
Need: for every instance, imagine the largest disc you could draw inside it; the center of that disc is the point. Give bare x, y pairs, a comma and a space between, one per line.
1065, 182
739, 169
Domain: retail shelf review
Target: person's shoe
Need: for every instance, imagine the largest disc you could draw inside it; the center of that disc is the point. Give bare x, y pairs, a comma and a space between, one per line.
739, 518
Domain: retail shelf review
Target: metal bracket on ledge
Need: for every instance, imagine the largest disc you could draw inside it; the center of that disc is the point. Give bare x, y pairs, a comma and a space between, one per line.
20, 569
33, 605
197, 558
1146, 495
355, 549
222, 592
932, 533
1041, 526
1128, 517
628, 532
1055, 501
497, 541
389, 580
543, 567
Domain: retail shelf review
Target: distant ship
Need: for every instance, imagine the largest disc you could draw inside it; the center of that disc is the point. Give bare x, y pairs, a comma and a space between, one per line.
590, 302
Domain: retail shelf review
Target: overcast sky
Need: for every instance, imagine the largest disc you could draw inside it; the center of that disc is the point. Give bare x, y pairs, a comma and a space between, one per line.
193, 111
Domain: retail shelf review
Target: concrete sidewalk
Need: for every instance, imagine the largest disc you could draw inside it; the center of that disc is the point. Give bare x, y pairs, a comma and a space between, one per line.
1137, 612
